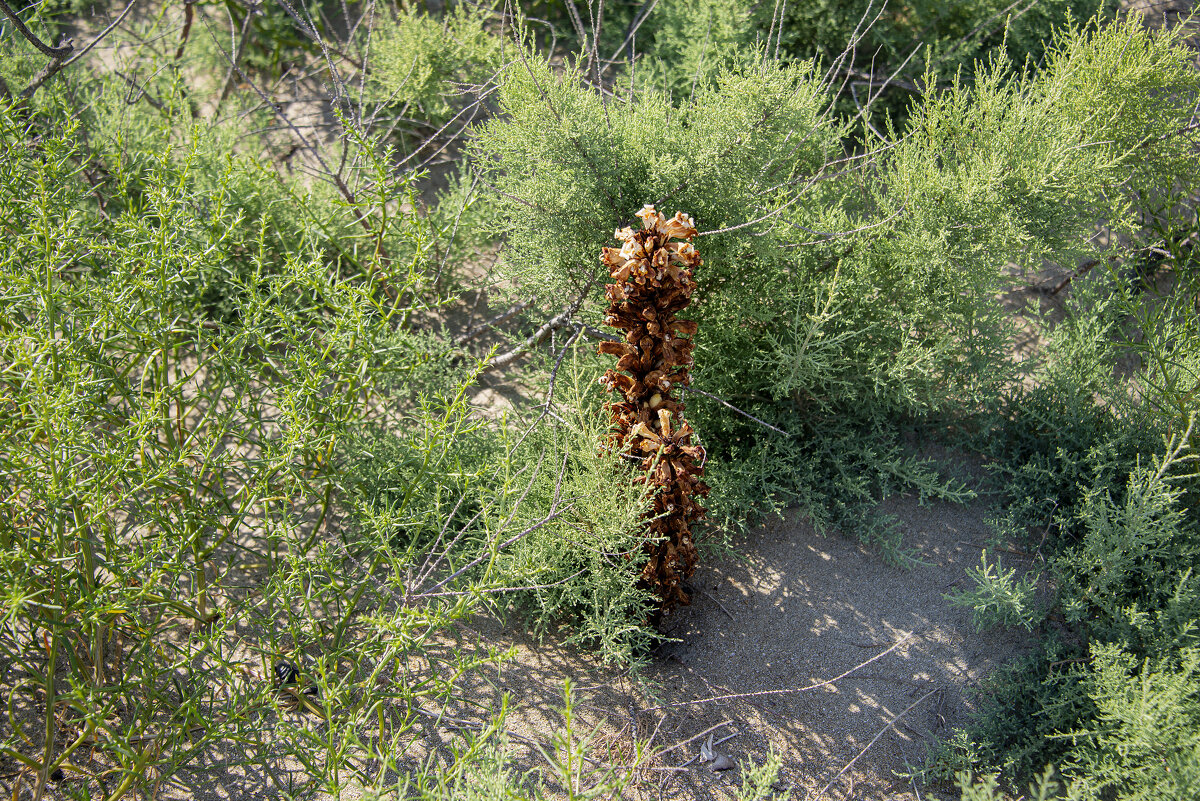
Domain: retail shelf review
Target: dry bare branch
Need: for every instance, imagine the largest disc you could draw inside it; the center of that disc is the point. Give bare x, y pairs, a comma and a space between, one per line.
874, 740
789, 690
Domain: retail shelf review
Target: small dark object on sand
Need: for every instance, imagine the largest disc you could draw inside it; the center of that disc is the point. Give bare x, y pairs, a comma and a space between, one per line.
286, 673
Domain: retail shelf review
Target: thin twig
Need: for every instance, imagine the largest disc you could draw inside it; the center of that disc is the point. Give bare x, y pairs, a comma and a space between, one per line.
454, 231
64, 48
493, 590
58, 55
736, 409
851, 48
502, 317
958, 45
634, 25
189, 16
237, 56
1178, 132
107, 30
539, 336
872, 81
547, 407
789, 690
137, 92
1082, 269
874, 740
521, 200
755, 221
717, 601
597, 334
836, 234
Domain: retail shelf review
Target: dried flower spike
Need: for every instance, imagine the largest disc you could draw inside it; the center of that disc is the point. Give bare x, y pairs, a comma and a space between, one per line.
653, 282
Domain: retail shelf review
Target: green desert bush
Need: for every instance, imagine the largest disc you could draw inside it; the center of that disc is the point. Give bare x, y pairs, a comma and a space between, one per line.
1105, 697
837, 291
1052, 442
671, 44
949, 39
1163, 328
232, 432
213, 369
1141, 742
685, 43
1144, 742
226, 445
149, 449
1128, 582
1094, 454
582, 564
425, 66
998, 598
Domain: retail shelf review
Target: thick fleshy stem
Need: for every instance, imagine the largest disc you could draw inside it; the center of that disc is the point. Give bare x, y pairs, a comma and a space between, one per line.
653, 282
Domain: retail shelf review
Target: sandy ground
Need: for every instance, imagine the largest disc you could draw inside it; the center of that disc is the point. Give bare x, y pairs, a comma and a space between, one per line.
797, 610
792, 609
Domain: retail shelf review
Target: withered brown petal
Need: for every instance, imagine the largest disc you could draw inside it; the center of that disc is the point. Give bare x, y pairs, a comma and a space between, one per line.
653, 281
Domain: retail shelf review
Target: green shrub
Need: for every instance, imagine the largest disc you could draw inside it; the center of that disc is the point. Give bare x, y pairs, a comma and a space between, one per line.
685, 44
582, 563
987, 787
1144, 742
998, 598
955, 37
1130, 578
423, 66
1126, 596
187, 381
1083, 463
1053, 443
833, 297
142, 438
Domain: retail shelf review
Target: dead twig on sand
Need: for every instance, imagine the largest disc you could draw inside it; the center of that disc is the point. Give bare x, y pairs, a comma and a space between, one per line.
714, 599
874, 740
818, 685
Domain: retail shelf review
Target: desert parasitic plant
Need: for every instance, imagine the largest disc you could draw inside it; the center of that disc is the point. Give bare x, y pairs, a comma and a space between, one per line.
653, 282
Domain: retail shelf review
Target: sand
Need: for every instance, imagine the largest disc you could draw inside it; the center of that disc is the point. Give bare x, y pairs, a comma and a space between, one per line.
795, 609
786, 610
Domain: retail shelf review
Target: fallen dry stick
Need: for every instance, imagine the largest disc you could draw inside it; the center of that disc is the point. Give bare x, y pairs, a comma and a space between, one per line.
874, 740
818, 685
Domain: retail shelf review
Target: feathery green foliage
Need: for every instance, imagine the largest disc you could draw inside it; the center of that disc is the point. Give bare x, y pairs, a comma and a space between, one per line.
998, 598
949, 39
234, 421
1119, 515
1145, 740
212, 460
688, 43
833, 289
419, 62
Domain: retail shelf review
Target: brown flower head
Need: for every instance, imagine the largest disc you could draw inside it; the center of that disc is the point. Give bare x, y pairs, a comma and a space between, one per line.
652, 282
